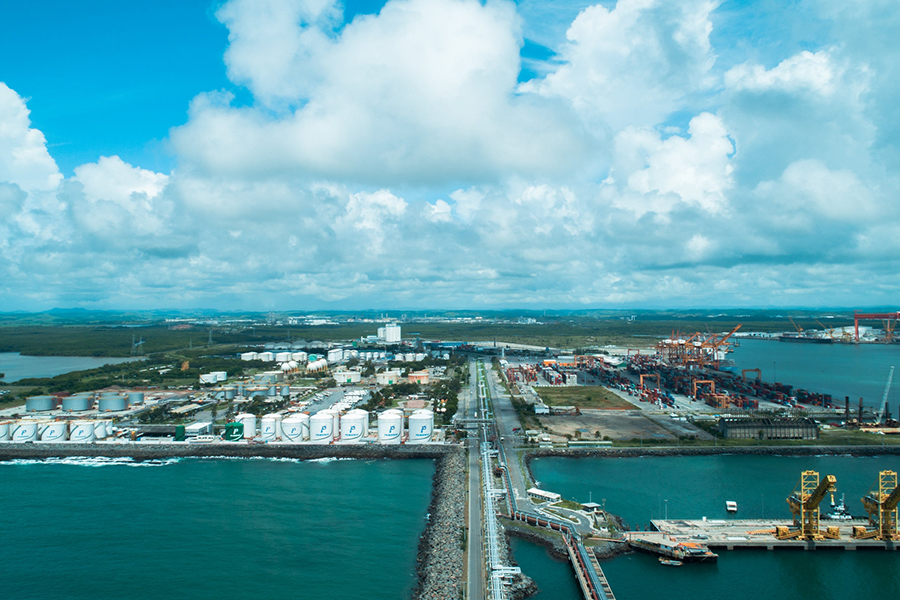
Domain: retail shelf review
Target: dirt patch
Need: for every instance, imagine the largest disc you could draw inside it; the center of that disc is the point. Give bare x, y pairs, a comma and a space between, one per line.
616, 425
582, 397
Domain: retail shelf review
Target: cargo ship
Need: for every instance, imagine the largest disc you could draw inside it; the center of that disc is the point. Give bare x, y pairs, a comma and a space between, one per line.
797, 337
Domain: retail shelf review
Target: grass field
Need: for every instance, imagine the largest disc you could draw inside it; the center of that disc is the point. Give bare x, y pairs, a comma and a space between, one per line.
582, 397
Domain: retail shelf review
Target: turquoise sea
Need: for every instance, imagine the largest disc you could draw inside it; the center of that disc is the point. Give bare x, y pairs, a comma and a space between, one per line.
211, 528
640, 489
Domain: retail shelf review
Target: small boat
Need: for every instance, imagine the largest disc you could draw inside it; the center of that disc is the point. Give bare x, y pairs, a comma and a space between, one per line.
839, 512
669, 562
202, 439
731, 506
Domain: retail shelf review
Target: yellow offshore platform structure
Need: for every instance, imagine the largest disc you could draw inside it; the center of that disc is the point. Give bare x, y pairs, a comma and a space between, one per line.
881, 504
804, 502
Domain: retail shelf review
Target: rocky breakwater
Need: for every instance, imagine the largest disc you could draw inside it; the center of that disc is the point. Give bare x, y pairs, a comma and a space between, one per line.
141, 451
440, 558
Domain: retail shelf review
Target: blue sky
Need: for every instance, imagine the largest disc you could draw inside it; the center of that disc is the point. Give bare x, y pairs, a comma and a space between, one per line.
301, 154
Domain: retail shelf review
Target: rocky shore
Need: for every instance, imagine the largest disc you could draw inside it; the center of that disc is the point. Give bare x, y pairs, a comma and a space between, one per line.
440, 556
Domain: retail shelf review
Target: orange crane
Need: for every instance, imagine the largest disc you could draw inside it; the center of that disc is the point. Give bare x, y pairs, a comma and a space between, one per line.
881, 504
804, 502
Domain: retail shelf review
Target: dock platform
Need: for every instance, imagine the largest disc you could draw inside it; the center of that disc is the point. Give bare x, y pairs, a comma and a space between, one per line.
750, 533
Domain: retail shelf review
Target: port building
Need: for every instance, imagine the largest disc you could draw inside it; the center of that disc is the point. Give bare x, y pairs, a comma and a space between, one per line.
769, 429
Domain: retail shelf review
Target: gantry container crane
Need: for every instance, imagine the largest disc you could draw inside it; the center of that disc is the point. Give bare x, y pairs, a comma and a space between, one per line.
881, 504
804, 502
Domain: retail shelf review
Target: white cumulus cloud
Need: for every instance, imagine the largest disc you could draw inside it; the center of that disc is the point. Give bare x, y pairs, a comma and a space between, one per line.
24, 159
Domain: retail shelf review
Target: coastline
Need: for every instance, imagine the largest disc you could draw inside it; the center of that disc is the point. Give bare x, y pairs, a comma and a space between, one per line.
38, 451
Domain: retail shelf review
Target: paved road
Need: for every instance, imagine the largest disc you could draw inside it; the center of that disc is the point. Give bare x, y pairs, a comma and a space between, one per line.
476, 560
507, 420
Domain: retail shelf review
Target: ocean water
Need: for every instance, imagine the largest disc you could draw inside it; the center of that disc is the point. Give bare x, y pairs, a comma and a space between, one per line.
858, 371
213, 528
640, 489
16, 366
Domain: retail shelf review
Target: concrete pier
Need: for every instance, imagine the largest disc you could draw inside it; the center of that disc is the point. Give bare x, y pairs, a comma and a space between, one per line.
751, 533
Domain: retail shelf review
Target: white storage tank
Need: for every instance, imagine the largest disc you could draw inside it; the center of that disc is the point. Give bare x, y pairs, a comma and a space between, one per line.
24, 431
421, 427
52, 431
300, 357
266, 357
99, 430
286, 391
229, 393
353, 427
78, 403
112, 403
273, 390
295, 428
135, 398
249, 422
321, 428
390, 427
270, 428
248, 356
40, 403
220, 375
81, 431
5, 430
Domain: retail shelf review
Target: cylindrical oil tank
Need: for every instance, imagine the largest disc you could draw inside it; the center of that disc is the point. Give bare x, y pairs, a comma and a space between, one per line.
135, 398
52, 431
108, 394
267, 428
81, 431
421, 427
352, 427
229, 393
364, 417
78, 403
249, 422
99, 430
273, 390
295, 428
240, 390
286, 391
112, 403
24, 431
4, 430
321, 428
390, 427
40, 403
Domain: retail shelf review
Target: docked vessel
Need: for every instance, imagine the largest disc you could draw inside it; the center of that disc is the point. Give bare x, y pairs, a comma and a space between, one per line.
838, 512
799, 337
669, 562
731, 506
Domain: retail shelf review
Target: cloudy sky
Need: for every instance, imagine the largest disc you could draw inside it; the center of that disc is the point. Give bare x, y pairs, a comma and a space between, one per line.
311, 154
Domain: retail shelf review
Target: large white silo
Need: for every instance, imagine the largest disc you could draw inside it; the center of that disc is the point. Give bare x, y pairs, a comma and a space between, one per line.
364, 416
352, 427
99, 430
321, 428
81, 431
336, 421
421, 427
390, 427
24, 431
282, 357
268, 427
5, 430
52, 431
249, 422
295, 428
